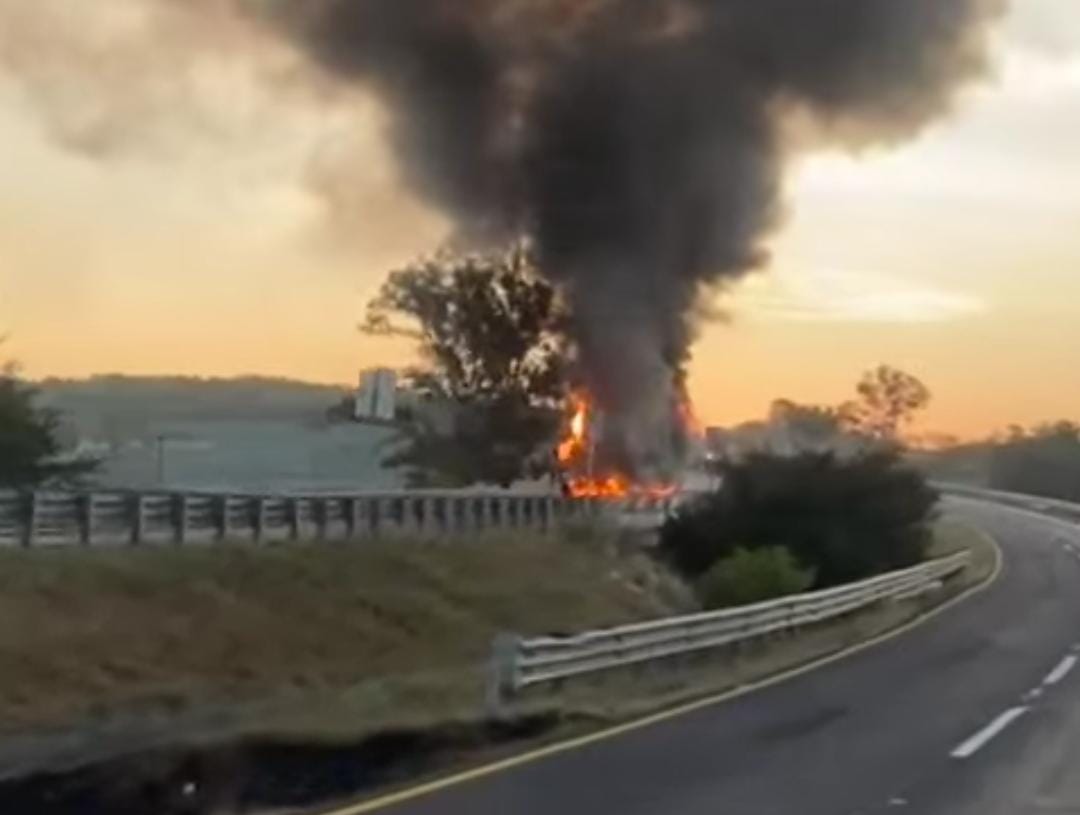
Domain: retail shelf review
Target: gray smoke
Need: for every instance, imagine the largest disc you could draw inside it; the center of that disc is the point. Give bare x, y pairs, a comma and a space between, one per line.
640, 143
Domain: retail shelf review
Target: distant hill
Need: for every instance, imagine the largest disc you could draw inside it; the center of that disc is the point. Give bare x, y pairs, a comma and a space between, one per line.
113, 408
961, 464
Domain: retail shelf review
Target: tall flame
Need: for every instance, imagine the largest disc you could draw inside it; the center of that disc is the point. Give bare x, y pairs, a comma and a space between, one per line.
573, 447
577, 424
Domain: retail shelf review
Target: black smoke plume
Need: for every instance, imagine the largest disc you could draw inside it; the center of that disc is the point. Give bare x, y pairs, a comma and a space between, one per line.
640, 143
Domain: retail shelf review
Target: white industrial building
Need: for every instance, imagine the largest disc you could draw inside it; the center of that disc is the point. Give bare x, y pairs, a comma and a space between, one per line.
376, 400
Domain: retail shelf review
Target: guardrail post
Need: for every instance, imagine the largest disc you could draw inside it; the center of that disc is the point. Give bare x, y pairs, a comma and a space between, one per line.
223, 528
86, 518
543, 508
478, 507
32, 511
420, 519
440, 519
457, 513
258, 513
398, 513
559, 512
319, 510
180, 519
502, 673
352, 518
138, 518
376, 520
293, 505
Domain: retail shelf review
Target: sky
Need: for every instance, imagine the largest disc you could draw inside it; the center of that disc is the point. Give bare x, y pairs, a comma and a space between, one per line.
165, 210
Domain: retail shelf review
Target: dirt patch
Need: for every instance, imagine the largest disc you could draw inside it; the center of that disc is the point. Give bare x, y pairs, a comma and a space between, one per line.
259, 776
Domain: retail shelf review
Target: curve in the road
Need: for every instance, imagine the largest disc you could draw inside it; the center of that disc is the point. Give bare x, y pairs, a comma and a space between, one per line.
386, 801
874, 728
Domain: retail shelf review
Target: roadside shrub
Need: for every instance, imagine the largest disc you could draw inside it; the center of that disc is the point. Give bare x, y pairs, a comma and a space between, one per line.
844, 519
750, 576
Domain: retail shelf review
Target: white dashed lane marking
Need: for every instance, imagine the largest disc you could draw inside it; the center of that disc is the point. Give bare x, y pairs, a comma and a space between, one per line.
988, 733
1061, 671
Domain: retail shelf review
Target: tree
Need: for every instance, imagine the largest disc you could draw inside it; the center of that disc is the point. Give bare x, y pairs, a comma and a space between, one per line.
493, 345
842, 518
30, 454
810, 428
888, 398
1044, 461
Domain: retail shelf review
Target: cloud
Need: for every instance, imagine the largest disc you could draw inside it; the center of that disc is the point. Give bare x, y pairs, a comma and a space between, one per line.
1051, 27
852, 297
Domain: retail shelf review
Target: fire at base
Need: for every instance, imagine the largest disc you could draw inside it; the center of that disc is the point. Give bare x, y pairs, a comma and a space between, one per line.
583, 476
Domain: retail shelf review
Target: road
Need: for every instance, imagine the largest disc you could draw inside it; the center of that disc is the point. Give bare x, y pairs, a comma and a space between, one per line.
977, 711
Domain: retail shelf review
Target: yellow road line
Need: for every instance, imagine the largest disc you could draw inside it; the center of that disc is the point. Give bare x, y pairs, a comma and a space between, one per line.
437, 785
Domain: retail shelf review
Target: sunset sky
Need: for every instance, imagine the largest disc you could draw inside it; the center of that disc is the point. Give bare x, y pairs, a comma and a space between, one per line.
163, 212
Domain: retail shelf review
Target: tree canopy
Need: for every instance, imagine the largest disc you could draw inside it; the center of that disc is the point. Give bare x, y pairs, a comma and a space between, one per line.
1044, 461
30, 454
888, 399
488, 325
844, 519
494, 352
812, 428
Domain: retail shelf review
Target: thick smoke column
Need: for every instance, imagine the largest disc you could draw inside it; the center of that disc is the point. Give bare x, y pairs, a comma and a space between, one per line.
641, 143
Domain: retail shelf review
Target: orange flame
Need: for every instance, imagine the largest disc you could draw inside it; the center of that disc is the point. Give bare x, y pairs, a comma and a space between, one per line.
573, 451
573, 446
614, 486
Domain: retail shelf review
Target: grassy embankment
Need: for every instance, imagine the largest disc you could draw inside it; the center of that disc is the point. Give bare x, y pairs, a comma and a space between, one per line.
338, 643
391, 633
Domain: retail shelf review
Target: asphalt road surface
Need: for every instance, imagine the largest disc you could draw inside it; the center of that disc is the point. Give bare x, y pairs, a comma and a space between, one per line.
977, 711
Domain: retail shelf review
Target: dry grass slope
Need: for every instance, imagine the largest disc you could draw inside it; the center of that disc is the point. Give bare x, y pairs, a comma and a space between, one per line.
87, 633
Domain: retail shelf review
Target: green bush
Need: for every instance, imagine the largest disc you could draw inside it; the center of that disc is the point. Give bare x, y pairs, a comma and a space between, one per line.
750, 576
844, 519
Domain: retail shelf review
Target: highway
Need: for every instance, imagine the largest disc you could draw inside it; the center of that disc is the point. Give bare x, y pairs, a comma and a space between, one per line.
975, 711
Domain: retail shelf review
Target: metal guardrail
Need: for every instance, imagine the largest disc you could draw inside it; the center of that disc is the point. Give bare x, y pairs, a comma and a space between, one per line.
519, 663
106, 518
1033, 503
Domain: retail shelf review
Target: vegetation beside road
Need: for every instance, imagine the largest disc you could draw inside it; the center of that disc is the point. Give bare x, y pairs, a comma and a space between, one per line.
30, 450
839, 519
322, 736
310, 640
1041, 460
387, 628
